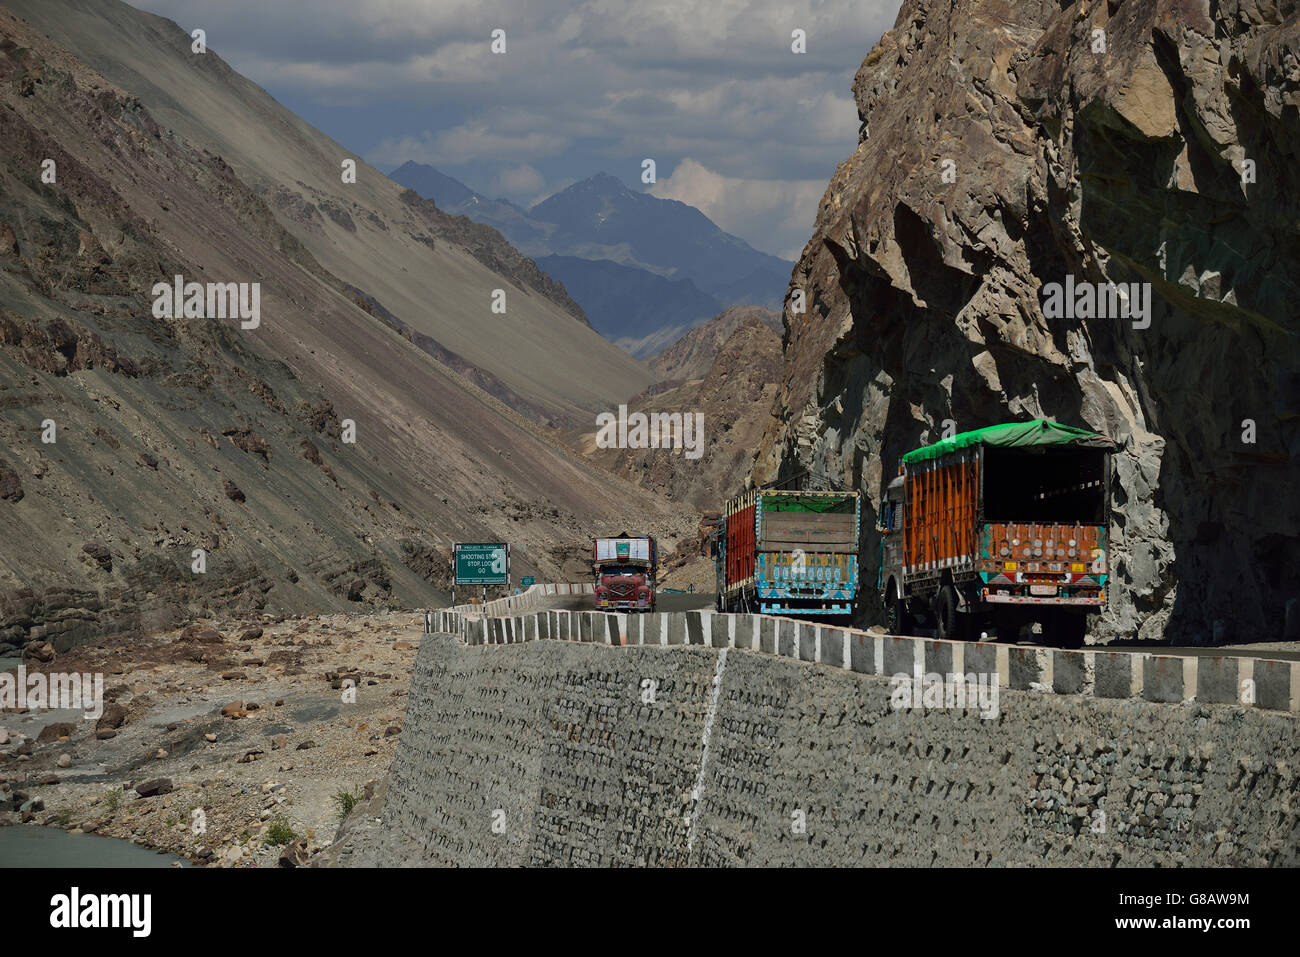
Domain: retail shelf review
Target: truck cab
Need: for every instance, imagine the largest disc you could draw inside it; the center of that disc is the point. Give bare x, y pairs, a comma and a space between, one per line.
624, 571
890, 582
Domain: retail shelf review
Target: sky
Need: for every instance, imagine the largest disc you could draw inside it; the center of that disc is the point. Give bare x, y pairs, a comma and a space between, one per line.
737, 123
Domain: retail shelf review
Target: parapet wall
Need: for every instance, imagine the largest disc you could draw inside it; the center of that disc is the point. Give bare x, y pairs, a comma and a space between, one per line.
530, 599
519, 751
1264, 683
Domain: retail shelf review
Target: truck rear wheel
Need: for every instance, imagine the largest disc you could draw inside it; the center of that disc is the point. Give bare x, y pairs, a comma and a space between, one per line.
950, 623
1067, 629
897, 620
1009, 623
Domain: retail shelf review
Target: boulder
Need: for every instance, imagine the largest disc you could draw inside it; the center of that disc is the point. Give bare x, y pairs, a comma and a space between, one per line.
294, 854
154, 787
54, 731
99, 554
41, 651
114, 716
11, 488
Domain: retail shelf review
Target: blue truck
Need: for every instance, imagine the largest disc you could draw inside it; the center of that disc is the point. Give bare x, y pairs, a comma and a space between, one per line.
787, 552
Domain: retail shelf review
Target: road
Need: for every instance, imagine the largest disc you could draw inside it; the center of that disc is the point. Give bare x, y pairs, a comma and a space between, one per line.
667, 601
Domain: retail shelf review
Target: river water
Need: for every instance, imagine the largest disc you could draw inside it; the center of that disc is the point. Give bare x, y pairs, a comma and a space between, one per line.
26, 846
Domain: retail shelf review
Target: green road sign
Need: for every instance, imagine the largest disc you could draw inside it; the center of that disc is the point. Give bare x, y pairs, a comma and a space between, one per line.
483, 564
527, 581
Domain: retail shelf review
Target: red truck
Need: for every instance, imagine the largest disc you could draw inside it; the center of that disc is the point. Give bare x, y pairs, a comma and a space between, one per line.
625, 569
1003, 526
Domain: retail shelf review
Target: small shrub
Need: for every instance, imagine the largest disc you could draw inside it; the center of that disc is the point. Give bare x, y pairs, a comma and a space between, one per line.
344, 802
279, 832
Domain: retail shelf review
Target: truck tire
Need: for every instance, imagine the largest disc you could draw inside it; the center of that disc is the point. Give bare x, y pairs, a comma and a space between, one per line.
897, 620
1067, 629
949, 622
1009, 623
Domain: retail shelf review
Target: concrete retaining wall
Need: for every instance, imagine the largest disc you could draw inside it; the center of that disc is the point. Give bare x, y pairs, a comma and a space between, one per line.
673, 739
1263, 683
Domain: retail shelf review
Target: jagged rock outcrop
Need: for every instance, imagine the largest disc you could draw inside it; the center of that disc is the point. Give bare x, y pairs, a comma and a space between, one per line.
691, 356
1005, 145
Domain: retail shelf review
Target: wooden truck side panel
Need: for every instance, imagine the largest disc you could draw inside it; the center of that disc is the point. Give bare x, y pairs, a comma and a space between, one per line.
941, 514
739, 521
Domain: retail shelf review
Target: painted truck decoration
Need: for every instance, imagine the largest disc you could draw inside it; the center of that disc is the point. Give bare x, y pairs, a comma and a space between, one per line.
625, 570
788, 553
1003, 526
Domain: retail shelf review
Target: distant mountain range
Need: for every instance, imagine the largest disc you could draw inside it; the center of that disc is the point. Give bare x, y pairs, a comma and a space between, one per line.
637, 310
643, 269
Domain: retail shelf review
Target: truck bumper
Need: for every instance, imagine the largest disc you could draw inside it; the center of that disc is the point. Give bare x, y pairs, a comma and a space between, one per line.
996, 599
824, 608
623, 606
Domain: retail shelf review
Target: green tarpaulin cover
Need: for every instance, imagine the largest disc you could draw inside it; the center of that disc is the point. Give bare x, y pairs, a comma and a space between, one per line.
1022, 434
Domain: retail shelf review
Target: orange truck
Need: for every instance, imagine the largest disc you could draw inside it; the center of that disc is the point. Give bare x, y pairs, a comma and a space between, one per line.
1002, 527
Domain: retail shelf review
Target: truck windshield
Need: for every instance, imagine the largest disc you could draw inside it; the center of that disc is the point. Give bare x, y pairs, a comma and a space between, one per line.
608, 570
1045, 485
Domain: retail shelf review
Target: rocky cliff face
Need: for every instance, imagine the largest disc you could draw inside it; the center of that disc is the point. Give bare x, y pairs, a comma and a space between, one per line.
691, 356
1006, 145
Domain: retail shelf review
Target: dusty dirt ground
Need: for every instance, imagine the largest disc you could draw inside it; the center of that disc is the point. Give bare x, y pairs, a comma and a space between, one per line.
241, 783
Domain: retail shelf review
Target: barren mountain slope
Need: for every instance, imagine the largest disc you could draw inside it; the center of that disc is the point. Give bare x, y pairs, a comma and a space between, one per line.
435, 272
691, 355
171, 435
1006, 145
734, 395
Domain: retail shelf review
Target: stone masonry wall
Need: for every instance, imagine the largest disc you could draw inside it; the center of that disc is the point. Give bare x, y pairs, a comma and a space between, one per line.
550, 753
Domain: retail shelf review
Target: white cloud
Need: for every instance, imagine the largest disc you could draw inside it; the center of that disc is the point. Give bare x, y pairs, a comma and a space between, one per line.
584, 84
473, 142
777, 214
522, 180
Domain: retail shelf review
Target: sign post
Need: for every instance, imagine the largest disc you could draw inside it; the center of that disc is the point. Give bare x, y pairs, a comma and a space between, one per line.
482, 563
